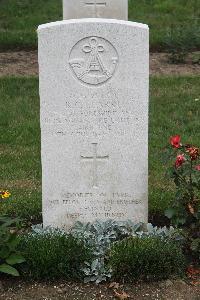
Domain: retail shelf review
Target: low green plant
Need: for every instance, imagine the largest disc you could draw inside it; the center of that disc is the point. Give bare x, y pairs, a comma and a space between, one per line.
148, 258
196, 58
9, 254
180, 40
52, 254
100, 235
195, 247
81, 253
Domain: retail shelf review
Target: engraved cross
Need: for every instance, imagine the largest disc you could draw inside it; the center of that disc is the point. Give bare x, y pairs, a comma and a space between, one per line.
95, 158
95, 4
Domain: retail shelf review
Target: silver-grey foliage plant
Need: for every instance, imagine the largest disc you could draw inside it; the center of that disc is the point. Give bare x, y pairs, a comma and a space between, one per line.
100, 235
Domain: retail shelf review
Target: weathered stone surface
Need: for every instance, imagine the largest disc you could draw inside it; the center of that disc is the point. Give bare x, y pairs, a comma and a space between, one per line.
111, 9
94, 120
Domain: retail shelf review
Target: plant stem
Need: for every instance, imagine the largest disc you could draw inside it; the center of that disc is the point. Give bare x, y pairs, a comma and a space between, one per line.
191, 182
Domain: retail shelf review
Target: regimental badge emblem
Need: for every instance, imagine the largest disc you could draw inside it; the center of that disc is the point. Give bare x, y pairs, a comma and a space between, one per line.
93, 60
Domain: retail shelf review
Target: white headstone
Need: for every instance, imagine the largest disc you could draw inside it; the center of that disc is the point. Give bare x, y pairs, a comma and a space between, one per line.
94, 79
111, 9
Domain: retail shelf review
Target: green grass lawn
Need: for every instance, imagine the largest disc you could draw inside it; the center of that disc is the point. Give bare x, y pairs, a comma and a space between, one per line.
19, 20
174, 109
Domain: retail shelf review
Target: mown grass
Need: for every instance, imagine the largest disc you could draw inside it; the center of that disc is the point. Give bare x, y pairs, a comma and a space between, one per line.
167, 19
174, 109
20, 146
19, 19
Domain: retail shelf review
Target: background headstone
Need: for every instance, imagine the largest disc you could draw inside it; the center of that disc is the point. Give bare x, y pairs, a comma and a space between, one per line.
94, 82
111, 9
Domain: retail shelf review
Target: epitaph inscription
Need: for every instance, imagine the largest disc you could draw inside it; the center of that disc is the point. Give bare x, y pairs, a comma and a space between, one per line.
93, 60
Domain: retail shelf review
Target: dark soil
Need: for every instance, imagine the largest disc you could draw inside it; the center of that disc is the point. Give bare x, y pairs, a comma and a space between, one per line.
165, 290
160, 65
159, 220
25, 63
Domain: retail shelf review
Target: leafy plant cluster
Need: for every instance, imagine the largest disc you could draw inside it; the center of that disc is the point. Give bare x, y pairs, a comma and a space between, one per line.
9, 254
185, 210
148, 258
86, 251
196, 58
180, 40
100, 236
52, 253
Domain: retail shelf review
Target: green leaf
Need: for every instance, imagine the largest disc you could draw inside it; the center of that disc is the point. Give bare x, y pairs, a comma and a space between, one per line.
180, 221
4, 268
195, 245
13, 241
15, 259
170, 212
170, 172
8, 222
4, 252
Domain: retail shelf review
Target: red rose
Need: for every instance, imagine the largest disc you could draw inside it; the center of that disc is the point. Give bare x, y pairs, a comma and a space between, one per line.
175, 141
180, 159
193, 152
197, 168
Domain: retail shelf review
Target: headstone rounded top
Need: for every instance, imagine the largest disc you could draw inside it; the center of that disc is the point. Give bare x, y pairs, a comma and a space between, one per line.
92, 21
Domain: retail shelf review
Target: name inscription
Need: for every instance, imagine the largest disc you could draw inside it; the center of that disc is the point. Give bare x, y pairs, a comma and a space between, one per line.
82, 119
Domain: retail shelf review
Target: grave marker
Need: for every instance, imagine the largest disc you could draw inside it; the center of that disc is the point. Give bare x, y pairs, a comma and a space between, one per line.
112, 9
94, 78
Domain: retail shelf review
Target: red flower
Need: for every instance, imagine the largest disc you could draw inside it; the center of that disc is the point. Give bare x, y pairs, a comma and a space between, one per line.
197, 168
175, 141
193, 152
180, 159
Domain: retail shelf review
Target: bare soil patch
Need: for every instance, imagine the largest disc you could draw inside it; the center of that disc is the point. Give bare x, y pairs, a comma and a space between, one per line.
165, 290
159, 65
25, 63
18, 63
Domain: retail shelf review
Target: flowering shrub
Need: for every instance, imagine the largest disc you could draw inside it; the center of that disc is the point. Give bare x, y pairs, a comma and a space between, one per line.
185, 172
